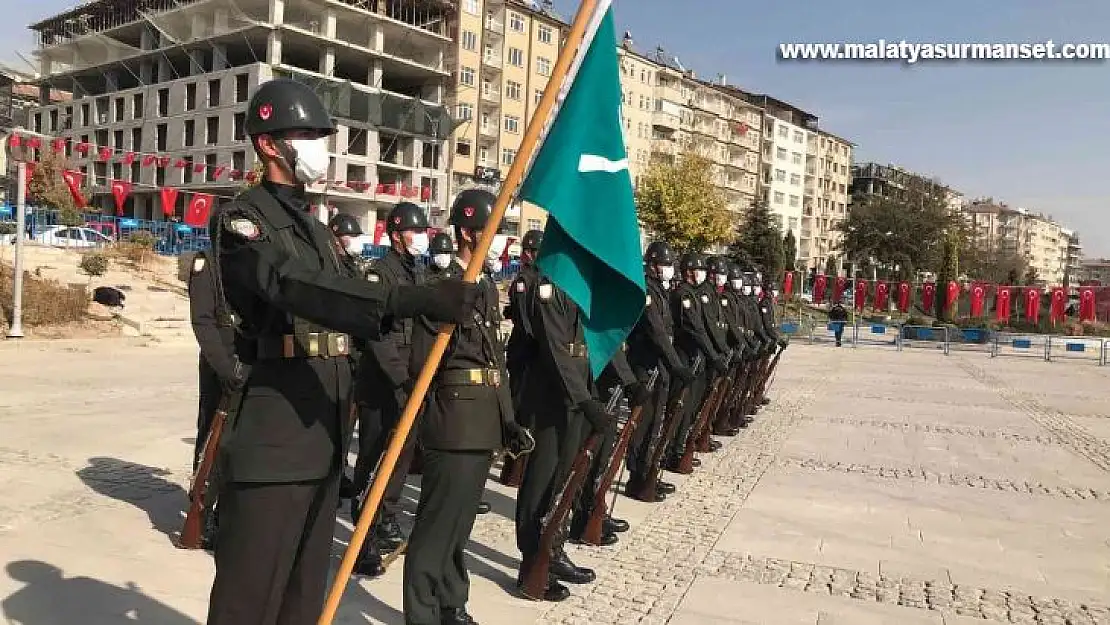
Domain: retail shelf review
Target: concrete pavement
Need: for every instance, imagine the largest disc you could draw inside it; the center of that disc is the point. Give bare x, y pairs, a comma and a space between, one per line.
879, 487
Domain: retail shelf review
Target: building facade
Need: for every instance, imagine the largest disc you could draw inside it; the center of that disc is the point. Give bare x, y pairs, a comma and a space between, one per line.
1094, 270
826, 202
1048, 247
18, 95
172, 81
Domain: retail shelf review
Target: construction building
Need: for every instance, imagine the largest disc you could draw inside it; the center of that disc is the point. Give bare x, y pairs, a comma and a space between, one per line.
1048, 247
503, 53
171, 78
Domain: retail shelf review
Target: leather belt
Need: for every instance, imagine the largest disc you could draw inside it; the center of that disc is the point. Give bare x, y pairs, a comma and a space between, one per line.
469, 377
311, 345
577, 350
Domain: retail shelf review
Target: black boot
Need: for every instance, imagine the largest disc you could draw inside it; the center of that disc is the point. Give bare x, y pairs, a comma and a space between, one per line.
664, 487
564, 570
211, 527
455, 616
554, 591
765, 401
484, 507
613, 525
369, 561
347, 488
388, 534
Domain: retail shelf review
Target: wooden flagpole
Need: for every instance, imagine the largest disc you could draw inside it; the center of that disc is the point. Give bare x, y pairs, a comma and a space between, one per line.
512, 182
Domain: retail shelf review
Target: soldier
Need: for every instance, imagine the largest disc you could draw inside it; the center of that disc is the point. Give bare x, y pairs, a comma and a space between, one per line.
649, 347
522, 348
384, 383
441, 249
278, 270
561, 392
345, 228
740, 338
469, 416
690, 339
220, 371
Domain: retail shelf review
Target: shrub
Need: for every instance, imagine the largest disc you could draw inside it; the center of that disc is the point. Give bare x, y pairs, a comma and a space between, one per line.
143, 238
7, 227
45, 302
94, 264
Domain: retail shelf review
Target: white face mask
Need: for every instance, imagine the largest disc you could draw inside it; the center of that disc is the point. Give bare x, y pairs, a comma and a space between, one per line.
775, 293
312, 159
747, 290
737, 284
494, 265
699, 276
666, 273
720, 280
442, 260
759, 278
758, 291
419, 244
666, 284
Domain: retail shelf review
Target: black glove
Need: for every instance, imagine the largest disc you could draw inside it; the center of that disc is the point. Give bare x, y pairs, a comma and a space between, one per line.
783, 342
507, 312
518, 440
637, 394
600, 421
446, 301
685, 375
236, 379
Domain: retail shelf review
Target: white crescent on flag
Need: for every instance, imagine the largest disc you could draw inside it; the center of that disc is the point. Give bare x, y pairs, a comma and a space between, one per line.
592, 162
978, 291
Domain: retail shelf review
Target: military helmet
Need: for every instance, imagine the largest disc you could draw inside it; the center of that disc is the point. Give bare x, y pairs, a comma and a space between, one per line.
344, 225
659, 253
532, 240
717, 265
283, 104
692, 261
471, 208
735, 271
441, 244
406, 216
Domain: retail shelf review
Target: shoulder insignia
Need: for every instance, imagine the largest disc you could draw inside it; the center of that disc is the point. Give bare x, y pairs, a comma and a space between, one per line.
705, 299
244, 228
648, 301
686, 303
545, 291
373, 277
198, 264
520, 286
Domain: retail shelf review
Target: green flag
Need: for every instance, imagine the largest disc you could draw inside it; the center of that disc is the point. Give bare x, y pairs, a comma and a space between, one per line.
591, 246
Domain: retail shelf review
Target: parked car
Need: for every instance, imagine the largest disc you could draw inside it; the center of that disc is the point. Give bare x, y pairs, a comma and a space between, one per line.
65, 236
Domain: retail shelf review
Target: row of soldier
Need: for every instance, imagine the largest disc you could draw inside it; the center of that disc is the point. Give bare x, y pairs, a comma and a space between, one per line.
303, 343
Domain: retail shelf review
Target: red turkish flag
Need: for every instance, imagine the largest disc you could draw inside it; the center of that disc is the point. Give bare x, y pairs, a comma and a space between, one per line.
200, 207
120, 190
1059, 301
928, 295
169, 200
978, 297
787, 283
1033, 304
1002, 303
73, 180
882, 296
861, 294
951, 294
1087, 304
58, 145
30, 174
105, 154
838, 290
129, 158
820, 283
904, 297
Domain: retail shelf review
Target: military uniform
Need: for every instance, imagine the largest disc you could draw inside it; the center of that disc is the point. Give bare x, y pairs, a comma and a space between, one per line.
521, 348
469, 416
281, 456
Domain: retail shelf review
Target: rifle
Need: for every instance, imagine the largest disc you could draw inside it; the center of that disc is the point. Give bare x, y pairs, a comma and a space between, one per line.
739, 410
659, 441
591, 535
512, 471
708, 407
194, 520
767, 375
735, 395
537, 571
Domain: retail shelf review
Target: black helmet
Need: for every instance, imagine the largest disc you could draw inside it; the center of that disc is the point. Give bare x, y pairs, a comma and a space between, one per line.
735, 272
532, 240
284, 104
717, 265
344, 225
441, 244
406, 216
472, 208
692, 261
659, 253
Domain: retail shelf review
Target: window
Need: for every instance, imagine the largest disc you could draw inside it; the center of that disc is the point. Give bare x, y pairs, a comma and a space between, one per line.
544, 34
469, 40
210, 167
136, 139
794, 201
119, 113
795, 179
512, 90
779, 197
474, 7
543, 66
212, 130
780, 153
465, 112
799, 137
187, 172
796, 157
190, 130
213, 93
483, 155
784, 132
241, 88
793, 223
537, 96
160, 138
190, 96
117, 140
137, 106
507, 156
239, 161
462, 147
516, 57
466, 76
535, 224
239, 122
780, 175
163, 102
512, 124
516, 22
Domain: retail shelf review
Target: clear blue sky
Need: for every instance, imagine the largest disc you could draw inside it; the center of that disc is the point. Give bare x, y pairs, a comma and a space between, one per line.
1033, 133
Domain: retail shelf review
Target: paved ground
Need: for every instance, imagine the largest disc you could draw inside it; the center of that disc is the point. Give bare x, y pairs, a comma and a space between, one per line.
881, 487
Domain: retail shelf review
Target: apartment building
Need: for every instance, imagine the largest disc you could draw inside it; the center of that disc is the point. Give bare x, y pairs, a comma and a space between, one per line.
784, 167
825, 203
503, 54
1047, 247
638, 79
172, 78
1094, 270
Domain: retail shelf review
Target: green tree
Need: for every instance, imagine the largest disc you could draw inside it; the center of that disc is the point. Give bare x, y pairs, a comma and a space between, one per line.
48, 188
1013, 277
789, 250
949, 270
679, 203
1031, 276
760, 242
830, 266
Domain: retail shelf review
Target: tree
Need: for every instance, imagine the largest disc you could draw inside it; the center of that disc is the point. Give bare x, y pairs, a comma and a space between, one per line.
679, 203
1031, 276
949, 270
760, 242
48, 188
992, 265
789, 250
830, 266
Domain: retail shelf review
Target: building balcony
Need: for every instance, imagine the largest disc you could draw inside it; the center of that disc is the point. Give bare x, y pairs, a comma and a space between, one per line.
495, 26
666, 120
492, 61
488, 131
664, 146
491, 96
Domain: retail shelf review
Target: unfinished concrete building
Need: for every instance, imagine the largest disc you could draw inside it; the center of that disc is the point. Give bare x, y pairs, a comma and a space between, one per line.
172, 78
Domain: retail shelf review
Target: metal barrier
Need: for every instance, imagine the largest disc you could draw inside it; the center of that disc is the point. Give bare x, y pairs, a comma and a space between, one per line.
1021, 345
923, 337
828, 333
797, 327
872, 333
971, 340
1076, 348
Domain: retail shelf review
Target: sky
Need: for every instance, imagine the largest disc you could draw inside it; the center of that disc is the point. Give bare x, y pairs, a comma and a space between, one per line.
1029, 133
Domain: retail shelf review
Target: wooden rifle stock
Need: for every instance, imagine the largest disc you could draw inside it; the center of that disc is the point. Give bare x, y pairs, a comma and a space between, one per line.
193, 529
658, 447
535, 577
512, 471
767, 374
686, 462
592, 533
